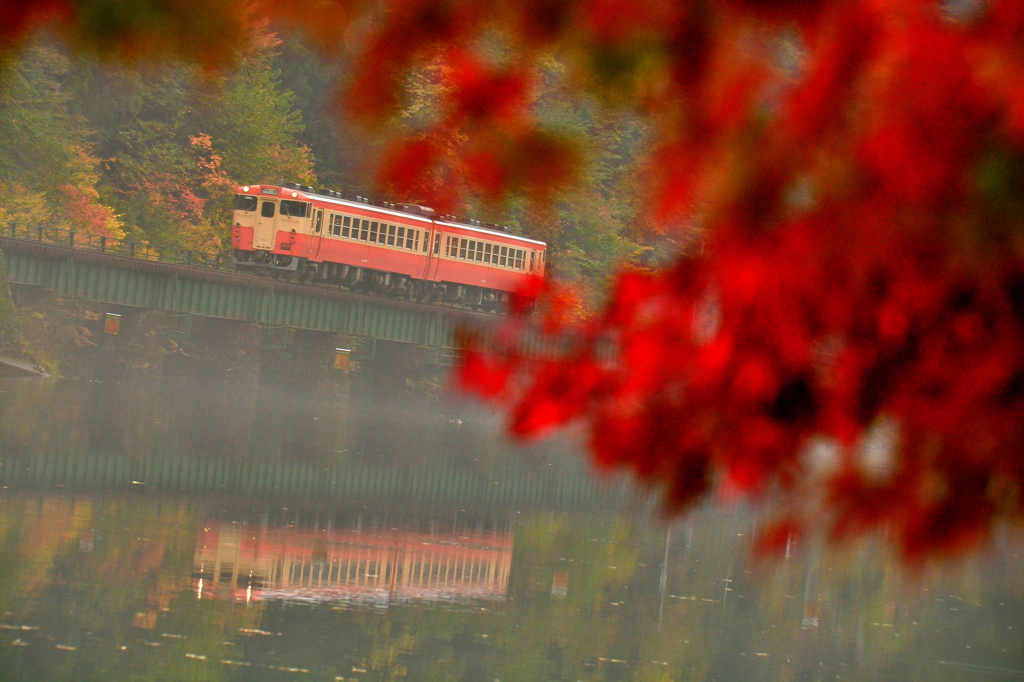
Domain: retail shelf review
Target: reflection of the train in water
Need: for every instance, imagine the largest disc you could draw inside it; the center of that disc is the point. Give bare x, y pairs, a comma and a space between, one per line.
248, 562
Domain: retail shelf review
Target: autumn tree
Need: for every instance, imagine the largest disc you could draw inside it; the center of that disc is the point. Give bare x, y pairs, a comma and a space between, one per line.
176, 142
48, 174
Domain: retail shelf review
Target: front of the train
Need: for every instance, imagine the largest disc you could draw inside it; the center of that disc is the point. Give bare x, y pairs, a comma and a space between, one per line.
271, 226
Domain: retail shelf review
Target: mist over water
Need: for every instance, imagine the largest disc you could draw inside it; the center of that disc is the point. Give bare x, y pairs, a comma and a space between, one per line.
185, 531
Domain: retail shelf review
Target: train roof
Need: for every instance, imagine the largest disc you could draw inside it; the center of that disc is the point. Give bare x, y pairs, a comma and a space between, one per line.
408, 211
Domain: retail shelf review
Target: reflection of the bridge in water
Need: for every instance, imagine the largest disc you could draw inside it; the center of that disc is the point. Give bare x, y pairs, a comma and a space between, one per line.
369, 567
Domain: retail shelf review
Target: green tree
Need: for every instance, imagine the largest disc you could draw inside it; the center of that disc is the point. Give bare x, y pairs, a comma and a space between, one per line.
175, 142
48, 173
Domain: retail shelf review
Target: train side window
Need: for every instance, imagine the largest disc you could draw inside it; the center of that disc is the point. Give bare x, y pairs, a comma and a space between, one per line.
504, 250
363, 232
409, 242
437, 243
401, 237
373, 233
533, 254
487, 253
345, 226
479, 252
519, 259
391, 235
245, 203
319, 221
416, 241
462, 249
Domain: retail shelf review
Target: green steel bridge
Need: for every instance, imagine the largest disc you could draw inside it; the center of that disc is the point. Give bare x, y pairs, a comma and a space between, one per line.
270, 478
182, 283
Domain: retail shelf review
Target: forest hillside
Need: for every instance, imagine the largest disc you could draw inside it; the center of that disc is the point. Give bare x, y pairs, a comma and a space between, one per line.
154, 152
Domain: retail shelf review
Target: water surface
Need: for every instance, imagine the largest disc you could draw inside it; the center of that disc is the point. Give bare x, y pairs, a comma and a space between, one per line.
189, 532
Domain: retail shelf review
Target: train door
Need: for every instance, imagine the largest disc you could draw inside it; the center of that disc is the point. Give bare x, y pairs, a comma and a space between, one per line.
313, 245
428, 252
433, 246
266, 223
436, 250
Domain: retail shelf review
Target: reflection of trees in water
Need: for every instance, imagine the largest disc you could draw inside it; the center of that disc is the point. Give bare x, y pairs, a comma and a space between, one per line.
582, 597
94, 575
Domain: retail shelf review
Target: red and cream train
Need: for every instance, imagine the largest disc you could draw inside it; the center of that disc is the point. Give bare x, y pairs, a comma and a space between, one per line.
400, 249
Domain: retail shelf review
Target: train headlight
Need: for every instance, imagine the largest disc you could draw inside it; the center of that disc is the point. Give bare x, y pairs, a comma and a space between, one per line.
294, 194
246, 188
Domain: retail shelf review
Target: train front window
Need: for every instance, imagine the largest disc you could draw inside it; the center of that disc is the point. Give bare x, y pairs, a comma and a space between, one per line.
245, 203
295, 209
267, 210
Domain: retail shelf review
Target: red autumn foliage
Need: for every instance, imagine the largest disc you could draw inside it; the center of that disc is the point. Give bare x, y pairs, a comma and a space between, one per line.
482, 93
851, 341
85, 213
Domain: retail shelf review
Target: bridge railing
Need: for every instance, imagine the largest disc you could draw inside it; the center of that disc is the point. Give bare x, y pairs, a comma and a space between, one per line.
122, 247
